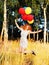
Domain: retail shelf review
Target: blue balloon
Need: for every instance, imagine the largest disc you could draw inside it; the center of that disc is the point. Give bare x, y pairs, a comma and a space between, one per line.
25, 7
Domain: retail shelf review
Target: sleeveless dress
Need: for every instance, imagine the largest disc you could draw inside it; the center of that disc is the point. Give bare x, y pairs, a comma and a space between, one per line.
23, 39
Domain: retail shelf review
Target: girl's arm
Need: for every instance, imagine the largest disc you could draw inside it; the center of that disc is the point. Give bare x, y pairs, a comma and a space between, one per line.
35, 32
17, 25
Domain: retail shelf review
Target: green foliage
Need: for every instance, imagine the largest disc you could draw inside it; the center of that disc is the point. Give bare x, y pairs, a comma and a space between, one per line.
29, 3
12, 3
35, 7
42, 2
1, 10
1, 6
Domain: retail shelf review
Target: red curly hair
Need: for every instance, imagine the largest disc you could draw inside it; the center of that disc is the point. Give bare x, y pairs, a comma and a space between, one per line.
26, 27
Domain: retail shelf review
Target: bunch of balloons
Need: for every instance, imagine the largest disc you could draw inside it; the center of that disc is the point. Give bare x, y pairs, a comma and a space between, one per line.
26, 14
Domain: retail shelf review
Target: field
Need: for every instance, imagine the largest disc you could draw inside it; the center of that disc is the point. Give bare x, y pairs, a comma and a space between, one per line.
10, 56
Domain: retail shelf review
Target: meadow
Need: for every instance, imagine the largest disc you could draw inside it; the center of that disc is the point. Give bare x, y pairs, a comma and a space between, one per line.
10, 56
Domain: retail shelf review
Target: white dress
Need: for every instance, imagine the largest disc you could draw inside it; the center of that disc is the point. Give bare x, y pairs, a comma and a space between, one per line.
23, 39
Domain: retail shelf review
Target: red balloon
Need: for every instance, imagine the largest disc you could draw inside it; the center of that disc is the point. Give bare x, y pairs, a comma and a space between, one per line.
24, 17
21, 11
30, 17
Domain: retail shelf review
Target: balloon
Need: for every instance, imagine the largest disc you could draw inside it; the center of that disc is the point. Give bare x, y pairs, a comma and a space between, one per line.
26, 27
27, 17
24, 17
25, 7
28, 10
30, 22
22, 11
30, 17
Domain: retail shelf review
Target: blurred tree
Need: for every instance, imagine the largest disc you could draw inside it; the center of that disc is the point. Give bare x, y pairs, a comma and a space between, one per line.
7, 8
44, 4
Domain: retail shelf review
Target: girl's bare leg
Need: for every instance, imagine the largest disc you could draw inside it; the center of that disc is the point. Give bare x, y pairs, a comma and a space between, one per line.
21, 50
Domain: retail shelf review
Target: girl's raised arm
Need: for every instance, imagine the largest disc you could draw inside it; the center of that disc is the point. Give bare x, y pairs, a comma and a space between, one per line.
35, 32
17, 25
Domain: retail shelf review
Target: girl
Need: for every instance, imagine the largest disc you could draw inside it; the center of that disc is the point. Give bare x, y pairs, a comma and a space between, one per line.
24, 33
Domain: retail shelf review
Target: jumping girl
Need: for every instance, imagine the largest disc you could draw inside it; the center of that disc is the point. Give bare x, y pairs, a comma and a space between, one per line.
24, 34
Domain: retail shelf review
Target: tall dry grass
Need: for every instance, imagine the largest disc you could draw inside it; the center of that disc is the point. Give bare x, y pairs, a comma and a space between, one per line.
11, 57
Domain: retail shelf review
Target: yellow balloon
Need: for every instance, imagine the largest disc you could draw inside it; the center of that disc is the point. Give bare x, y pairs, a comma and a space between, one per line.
30, 22
28, 10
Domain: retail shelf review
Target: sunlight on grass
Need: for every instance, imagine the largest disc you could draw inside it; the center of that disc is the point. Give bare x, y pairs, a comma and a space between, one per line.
11, 57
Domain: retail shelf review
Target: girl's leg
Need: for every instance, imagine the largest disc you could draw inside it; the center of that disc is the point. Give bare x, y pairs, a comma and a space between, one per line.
21, 50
